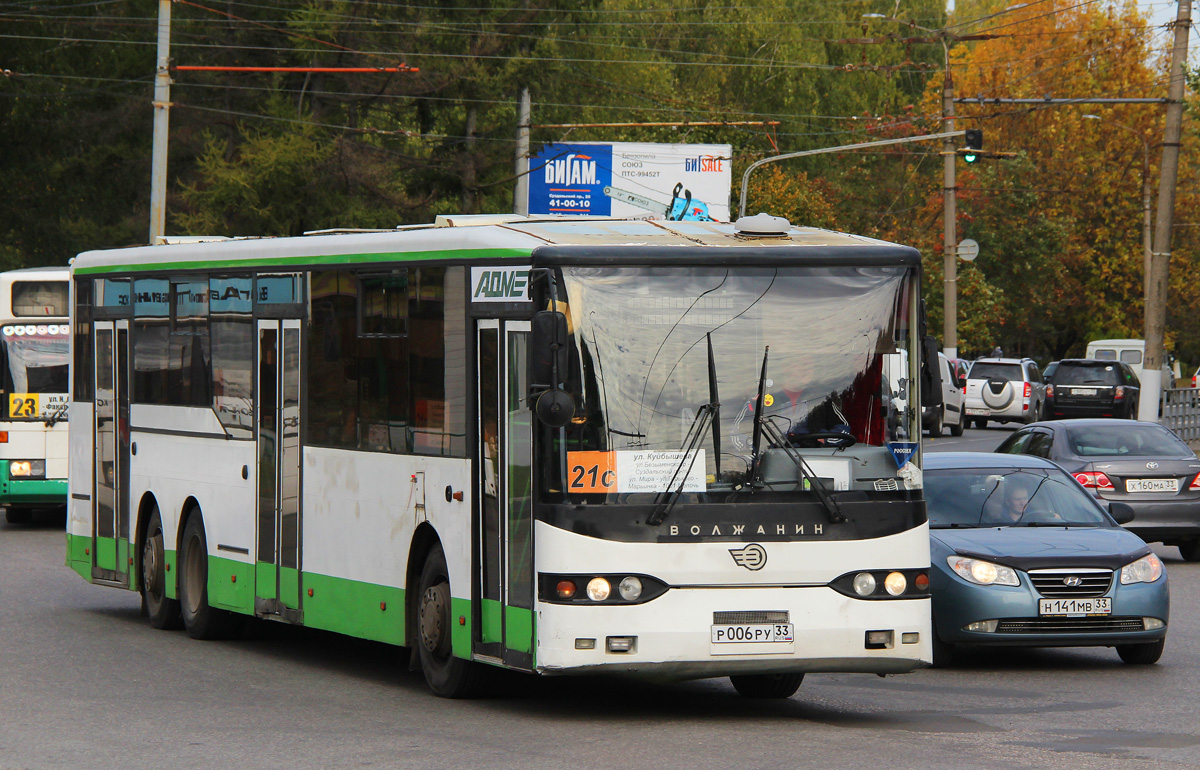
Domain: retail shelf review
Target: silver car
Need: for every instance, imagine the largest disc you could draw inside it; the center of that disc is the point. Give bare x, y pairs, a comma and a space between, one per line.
1005, 390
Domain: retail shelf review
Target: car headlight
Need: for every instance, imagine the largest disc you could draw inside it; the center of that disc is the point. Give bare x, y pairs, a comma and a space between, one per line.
1145, 570
983, 573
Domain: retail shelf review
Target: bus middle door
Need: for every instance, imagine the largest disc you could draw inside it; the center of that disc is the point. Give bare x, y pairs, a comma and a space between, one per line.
277, 399
506, 618
110, 487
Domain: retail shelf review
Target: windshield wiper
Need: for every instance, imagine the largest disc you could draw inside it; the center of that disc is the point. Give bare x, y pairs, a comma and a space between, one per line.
833, 511
710, 412
665, 501
755, 476
56, 415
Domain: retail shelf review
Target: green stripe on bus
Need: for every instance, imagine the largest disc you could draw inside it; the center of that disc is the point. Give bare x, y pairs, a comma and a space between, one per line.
33, 491
518, 629
105, 553
308, 261
231, 584
364, 610
492, 620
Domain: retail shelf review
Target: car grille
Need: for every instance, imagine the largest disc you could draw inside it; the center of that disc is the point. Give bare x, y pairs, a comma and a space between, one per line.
1061, 625
1052, 583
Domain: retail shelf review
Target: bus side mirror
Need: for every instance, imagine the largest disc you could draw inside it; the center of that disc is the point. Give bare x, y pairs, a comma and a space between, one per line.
547, 350
931, 377
548, 368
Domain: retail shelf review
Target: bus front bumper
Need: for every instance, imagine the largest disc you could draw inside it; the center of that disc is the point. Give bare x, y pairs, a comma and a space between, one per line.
674, 636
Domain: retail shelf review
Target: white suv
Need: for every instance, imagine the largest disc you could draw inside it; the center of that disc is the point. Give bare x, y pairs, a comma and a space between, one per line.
951, 411
1005, 390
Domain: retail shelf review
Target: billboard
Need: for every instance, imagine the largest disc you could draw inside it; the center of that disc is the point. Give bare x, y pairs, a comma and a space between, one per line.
632, 179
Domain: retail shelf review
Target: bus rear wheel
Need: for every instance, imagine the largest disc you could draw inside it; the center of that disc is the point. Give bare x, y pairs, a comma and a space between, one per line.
163, 612
447, 676
767, 685
201, 620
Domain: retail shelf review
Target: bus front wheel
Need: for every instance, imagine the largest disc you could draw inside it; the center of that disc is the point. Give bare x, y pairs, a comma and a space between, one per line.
163, 612
767, 685
201, 620
448, 676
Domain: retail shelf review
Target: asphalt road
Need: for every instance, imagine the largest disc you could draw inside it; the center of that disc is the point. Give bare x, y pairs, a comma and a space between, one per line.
86, 683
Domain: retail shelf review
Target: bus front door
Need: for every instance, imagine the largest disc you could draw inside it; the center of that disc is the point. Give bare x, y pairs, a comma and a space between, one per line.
277, 564
110, 488
505, 616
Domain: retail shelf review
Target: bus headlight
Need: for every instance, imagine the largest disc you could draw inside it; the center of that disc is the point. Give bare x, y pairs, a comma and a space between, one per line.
27, 469
630, 589
895, 583
598, 589
864, 584
593, 589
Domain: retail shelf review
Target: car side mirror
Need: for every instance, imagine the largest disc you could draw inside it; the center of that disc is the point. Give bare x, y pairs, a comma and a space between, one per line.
1122, 513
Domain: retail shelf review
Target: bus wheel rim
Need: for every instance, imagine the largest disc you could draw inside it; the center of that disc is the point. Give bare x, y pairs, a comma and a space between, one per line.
434, 616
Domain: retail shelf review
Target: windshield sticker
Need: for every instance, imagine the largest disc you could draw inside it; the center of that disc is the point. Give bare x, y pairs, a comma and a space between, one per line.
902, 451
36, 405
634, 471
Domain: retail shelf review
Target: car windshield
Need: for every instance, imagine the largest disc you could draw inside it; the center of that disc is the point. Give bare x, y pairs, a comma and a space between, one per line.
986, 371
1129, 439
1087, 374
1008, 497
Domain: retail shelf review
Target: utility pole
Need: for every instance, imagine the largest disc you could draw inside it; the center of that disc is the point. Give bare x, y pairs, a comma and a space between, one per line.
949, 221
162, 110
521, 190
1160, 258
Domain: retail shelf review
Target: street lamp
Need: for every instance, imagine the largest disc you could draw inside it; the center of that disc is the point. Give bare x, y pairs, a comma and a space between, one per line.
1145, 201
950, 235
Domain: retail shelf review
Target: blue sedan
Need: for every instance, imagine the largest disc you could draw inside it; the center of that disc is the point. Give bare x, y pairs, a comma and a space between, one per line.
1022, 555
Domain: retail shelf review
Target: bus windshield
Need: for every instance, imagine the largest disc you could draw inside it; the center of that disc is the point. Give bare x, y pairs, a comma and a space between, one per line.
836, 389
36, 358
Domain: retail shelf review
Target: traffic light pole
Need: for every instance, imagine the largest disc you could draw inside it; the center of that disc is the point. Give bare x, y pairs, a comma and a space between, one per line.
825, 150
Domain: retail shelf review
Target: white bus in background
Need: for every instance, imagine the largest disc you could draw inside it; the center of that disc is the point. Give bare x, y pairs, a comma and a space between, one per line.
34, 364
555, 446
1130, 351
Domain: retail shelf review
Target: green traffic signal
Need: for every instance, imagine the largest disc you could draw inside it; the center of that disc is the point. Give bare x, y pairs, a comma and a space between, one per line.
974, 139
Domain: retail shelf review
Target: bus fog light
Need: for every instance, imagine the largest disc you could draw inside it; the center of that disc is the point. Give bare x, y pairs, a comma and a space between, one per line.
621, 643
565, 589
630, 589
864, 584
984, 626
879, 640
895, 583
910, 637
598, 589
1152, 624
585, 644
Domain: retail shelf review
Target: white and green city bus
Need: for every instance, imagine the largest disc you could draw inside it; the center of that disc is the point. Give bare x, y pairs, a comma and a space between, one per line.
35, 339
665, 449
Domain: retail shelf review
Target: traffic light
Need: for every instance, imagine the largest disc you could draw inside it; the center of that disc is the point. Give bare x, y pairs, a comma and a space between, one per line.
974, 138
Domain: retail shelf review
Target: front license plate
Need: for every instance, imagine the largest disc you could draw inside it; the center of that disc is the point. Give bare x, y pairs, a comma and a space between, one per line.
1151, 485
979, 412
751, 633
1100, 605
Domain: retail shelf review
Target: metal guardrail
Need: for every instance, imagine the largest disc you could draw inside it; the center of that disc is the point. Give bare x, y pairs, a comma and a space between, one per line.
1179, 410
